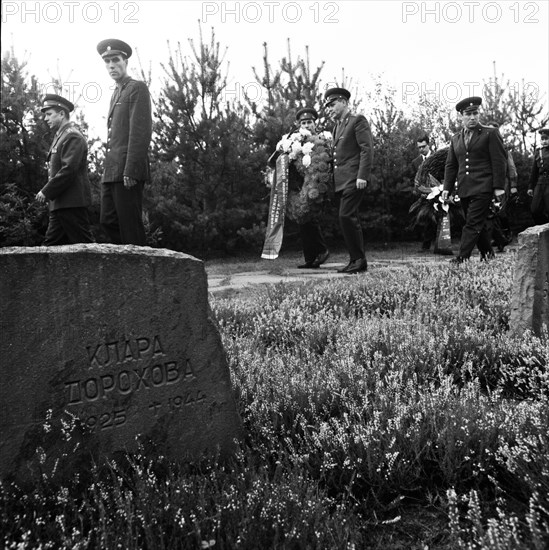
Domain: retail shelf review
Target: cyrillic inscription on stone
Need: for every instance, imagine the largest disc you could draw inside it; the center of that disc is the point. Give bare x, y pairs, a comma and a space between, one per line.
530, 291
117, 338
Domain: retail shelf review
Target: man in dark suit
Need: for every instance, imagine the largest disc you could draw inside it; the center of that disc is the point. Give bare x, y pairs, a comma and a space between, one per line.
538, 187
428, 227
353, 156
477, 159
424, 151
126, 167
68, 187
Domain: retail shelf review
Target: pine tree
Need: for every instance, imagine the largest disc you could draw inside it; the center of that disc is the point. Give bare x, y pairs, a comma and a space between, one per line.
23, 150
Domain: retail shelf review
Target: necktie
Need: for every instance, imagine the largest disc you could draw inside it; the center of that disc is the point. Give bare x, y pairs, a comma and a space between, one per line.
468, 135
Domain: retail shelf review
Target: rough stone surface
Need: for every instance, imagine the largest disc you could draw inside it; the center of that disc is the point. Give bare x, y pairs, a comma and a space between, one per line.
530, 300
120, 338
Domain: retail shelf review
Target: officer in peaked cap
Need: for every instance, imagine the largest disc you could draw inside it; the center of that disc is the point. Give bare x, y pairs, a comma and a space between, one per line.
54, 100
353, 157
112, 46
469, 104
538, 186
67, 190
315, 250
306, 118
306, 113
477, 160
126, 165
333, 94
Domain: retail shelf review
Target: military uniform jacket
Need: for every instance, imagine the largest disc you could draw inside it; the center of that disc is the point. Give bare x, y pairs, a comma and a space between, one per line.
353, 151
68, 185
479, 167
540, 168
129, 133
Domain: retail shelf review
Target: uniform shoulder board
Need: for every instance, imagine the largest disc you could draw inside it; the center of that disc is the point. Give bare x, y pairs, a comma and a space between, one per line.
74, 130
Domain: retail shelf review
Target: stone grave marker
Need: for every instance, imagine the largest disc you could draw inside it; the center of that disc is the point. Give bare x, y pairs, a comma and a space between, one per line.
117, 339
530, 290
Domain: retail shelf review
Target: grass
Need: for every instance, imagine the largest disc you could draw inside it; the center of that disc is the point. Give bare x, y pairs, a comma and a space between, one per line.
389, 410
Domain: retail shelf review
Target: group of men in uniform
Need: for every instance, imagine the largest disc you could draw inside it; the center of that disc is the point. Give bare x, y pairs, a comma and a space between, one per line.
352, 150
476, 161
476, 170
126, 164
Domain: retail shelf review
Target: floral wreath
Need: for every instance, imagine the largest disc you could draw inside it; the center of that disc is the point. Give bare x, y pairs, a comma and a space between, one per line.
311, 155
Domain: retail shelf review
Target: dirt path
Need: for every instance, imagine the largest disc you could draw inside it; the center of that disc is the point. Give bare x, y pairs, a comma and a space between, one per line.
236, 279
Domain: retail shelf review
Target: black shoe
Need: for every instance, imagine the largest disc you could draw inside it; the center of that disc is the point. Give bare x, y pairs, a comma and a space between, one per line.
321, 258
486, 256
307, 265
357, 266
344, 269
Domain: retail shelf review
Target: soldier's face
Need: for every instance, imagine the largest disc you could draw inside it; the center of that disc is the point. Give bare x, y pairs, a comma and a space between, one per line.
336, 109
470, 120
117, 67
54, 118
308, 124
544, 141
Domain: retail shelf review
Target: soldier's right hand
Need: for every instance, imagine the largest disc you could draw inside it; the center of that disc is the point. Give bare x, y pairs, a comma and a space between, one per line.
530, 192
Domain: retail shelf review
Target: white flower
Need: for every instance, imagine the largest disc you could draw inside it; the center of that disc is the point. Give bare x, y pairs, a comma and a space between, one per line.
284, 144
435, 191
306, 160
307, 148
304, 132
295, 149
327, 135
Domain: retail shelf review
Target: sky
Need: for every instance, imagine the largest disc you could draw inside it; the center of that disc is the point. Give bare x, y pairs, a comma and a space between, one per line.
448, 49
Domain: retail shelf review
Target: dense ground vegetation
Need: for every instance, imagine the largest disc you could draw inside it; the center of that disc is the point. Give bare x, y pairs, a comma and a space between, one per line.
391, 410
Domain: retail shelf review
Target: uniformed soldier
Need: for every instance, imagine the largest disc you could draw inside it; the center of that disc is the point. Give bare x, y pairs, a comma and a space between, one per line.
538, 187
126, 167
353, 157
315, 250
478, 161
68, 188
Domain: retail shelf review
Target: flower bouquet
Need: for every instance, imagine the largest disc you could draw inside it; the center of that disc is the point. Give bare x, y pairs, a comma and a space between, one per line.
429, 208
311, 180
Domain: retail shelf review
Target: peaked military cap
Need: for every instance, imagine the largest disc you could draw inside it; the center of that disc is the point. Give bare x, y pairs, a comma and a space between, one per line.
307, 113
333, 94
54, 100
112, 46
544, 132
469, 104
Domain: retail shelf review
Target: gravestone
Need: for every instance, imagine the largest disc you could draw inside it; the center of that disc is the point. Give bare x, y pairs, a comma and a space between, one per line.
530, 290
117, 340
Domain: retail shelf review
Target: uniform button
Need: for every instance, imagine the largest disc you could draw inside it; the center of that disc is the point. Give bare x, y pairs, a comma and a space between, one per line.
467, 173
466, 166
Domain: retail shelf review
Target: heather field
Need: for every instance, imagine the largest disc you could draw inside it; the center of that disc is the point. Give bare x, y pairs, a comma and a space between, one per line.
391, 410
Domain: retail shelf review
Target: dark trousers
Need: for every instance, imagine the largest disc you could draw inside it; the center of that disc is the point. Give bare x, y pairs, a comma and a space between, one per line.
121, 216
428, 234
476, 230
540, 203
349, 221
313, 240
68, 226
